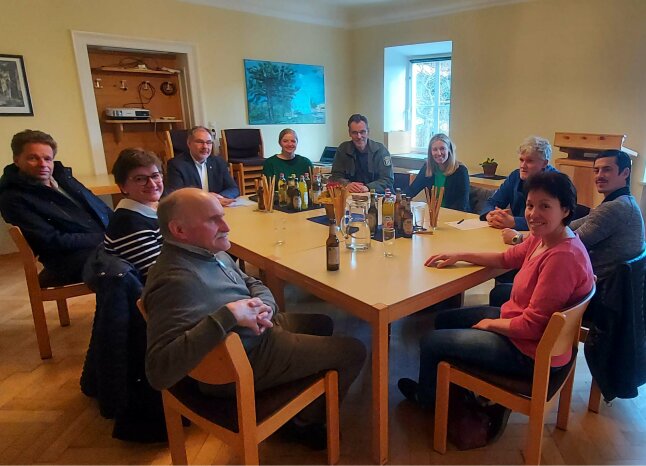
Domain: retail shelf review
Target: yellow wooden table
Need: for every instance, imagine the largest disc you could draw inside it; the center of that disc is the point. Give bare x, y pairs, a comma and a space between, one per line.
100, 184
376, 289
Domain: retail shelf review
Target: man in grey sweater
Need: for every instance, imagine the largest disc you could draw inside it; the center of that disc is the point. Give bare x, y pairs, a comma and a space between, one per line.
613, 232
195, 294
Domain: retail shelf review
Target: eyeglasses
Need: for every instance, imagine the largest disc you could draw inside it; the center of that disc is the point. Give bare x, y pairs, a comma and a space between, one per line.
363, 132
142, 180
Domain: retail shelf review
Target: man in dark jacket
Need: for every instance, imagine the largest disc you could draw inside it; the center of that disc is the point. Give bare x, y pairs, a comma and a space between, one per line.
61, 219
361, 163
201, 169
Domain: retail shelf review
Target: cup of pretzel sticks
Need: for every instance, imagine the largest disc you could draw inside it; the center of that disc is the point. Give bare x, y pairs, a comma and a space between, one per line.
265, 192
434, 198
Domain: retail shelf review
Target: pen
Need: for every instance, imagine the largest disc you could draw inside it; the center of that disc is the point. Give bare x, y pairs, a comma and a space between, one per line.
460, 221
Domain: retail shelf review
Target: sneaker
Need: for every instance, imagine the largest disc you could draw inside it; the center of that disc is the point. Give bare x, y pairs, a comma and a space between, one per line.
409, 388
498, 416
313, 436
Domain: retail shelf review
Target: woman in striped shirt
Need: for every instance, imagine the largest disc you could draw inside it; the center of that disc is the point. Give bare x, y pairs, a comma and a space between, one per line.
133, 232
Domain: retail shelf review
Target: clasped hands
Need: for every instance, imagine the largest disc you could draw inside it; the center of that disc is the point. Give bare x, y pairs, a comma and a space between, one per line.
500, 218
356, 187
252, 313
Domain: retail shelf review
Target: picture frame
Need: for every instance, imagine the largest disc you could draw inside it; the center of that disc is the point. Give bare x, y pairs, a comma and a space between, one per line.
14, 89
284, 93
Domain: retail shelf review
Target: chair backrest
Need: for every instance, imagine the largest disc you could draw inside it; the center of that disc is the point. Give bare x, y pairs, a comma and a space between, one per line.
562, 332
226, 363
177, 139
26, 254
243, 143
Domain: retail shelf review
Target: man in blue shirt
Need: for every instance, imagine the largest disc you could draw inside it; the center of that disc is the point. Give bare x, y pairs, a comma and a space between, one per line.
506, 207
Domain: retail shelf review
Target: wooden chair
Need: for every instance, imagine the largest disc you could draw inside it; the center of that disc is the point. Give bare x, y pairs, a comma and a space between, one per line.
530, 397
38, 295
249, 418
244, 149
594, 400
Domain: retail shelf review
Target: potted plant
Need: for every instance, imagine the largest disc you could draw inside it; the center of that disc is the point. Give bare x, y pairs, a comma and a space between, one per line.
489, 167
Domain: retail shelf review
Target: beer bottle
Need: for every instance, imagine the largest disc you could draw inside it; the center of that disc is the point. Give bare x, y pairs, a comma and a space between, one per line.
297, 201
308, 183
302, 187
317, 189
373, 213
388, 210
398, 210
332, 252
407, 222
291, 190
282, 190
261, 198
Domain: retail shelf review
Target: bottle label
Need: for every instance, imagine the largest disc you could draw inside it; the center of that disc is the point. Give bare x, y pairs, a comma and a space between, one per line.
408, 226
333, 257
388, 222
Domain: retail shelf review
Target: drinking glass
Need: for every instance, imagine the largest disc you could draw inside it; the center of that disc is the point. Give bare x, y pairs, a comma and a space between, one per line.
280, 229
389, 241
418, 217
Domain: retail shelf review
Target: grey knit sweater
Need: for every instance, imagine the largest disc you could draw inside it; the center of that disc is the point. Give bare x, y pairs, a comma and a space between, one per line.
185, 297
612, 232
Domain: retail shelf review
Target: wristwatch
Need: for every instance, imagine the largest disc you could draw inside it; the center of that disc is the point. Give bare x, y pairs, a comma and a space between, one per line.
517, 239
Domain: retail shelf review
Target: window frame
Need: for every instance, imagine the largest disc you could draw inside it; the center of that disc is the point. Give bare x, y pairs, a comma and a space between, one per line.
409, 92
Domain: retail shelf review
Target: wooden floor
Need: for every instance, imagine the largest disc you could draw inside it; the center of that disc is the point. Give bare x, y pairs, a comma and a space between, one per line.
44, 417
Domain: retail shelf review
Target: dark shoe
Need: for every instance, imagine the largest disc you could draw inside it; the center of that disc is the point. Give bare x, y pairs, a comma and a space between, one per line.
313, 436
409, 388
498, 417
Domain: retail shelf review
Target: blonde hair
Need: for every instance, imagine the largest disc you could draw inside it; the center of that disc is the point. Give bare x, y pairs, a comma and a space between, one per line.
451, 163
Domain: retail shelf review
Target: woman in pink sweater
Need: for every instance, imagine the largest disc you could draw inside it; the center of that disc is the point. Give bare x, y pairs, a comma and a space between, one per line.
555, 273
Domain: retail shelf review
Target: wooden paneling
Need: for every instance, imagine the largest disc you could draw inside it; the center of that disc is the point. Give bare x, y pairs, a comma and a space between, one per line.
124, 88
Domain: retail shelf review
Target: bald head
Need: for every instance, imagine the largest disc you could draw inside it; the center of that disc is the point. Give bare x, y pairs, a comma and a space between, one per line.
194, 217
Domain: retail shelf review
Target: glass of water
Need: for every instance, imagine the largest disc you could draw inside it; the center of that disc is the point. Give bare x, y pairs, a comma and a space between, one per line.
389, 241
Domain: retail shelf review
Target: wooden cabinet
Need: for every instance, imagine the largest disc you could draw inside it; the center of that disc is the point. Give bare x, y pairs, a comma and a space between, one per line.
581, 149
136, 80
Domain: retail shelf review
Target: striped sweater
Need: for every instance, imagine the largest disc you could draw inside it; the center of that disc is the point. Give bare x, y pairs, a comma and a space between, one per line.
133, 235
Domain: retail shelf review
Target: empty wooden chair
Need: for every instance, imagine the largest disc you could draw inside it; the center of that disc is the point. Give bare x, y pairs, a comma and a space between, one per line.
38, 295
249, 418
530, 397
243, 148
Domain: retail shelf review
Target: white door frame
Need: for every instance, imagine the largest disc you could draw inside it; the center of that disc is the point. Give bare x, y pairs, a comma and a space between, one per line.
82, 40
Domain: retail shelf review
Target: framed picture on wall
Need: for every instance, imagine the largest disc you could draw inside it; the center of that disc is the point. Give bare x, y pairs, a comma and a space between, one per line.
284, 93
14, 90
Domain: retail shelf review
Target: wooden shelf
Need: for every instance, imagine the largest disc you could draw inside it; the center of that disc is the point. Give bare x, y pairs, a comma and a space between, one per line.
118, 125
116, 69
152, 120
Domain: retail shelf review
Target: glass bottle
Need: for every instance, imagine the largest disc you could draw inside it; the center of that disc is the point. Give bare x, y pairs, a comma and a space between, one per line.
291, 191
297, 201
398, 210
302, 187
388, 210
373, 213
282, 190
407, 218
332, 250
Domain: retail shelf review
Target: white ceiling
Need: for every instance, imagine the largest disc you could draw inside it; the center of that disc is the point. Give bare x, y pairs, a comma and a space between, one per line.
352, 13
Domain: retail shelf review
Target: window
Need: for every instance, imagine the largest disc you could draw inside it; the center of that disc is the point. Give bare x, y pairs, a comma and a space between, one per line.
430, 99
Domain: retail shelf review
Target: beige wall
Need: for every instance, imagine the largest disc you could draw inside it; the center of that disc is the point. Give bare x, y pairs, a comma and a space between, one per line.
528, 68
40, 30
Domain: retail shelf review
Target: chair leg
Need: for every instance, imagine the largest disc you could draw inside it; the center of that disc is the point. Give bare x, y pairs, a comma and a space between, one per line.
441, 407
595, 397
535, 434
332, 416
63, 312
40, 325
175, 431
565, 398
249, 451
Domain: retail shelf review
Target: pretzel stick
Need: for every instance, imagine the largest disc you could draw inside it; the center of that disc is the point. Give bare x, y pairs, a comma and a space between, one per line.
439, 205
273, 193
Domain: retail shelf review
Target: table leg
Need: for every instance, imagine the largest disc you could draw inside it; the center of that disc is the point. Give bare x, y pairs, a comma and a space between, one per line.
380, 389
277, 288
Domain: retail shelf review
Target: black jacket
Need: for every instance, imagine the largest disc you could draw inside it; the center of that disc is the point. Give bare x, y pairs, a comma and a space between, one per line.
114, 371
53, 225
182, 173
615, 348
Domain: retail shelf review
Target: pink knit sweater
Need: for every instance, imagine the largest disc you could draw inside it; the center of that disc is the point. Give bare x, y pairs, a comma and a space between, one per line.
552, 281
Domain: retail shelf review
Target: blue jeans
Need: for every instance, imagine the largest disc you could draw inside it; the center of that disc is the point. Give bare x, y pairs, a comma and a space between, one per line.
454, 340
